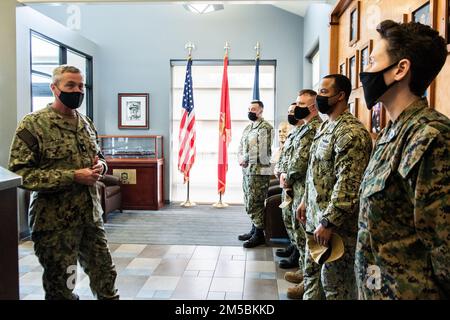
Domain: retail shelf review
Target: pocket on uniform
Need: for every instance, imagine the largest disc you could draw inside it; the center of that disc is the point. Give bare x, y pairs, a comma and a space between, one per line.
375, 181
58, 151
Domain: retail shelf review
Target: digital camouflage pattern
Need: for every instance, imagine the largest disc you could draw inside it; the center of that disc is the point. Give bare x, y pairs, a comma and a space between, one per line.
255, 193
404, 221
58, 252
287, 154
339, 155
46, 151
296, 176
255, 149
65, 217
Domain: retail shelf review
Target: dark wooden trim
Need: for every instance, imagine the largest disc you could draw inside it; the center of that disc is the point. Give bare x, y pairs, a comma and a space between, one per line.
340, 7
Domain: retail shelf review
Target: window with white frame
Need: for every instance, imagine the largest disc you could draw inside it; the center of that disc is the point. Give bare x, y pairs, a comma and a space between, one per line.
207, 81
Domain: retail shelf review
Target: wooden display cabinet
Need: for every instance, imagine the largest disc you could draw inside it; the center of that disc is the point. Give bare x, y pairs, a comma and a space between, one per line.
138, 161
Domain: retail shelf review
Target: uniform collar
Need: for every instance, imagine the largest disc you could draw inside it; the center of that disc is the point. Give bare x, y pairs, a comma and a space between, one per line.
62, 122
310, 125
256, 123
393, 127
329, 126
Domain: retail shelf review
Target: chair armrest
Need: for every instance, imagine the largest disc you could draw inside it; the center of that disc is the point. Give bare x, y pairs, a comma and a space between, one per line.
110, 180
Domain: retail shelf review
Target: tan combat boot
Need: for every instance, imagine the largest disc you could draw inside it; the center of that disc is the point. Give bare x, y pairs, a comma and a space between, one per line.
296, 292
294, 277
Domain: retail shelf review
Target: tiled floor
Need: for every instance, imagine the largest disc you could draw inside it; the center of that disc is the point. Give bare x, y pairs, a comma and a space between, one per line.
176, 272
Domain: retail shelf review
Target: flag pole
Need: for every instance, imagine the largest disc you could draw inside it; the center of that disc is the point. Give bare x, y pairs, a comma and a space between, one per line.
220, 204
189, 46
188, 203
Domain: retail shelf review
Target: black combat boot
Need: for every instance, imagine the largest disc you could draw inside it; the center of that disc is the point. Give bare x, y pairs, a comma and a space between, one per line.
247, 236
292, 262
285, 252
256, 239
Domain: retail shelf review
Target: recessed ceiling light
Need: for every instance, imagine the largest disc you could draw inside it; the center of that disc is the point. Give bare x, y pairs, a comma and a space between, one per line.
203, 8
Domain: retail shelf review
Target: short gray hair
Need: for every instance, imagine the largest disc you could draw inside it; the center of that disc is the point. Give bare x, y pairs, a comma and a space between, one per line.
59, 71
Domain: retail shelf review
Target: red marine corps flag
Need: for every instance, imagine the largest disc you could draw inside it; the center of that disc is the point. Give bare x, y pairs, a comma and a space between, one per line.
224, 129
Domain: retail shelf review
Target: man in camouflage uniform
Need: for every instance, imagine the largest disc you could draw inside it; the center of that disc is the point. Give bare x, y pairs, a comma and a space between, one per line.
295, 176
254, 158
55, 151
404, 222
339, 155
287, 153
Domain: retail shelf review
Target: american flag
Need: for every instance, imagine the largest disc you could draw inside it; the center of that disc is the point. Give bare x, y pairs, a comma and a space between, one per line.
186, 154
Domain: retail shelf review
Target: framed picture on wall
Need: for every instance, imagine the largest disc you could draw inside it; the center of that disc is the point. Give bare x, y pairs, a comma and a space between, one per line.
423, 15
365, 55
353, 107
343, 68
426, 13
354, 23
133, 110
353, 70
377, 122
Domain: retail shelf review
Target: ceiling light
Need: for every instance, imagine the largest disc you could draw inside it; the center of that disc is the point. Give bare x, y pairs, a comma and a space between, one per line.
203, 8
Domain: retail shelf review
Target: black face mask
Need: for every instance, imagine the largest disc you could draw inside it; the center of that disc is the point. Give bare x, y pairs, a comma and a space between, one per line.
323, 104
292, 120
301, 113
72, 100
252, 116
374, 85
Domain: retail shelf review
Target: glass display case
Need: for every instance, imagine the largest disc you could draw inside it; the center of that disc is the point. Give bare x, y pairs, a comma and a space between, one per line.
138, 161
132, 147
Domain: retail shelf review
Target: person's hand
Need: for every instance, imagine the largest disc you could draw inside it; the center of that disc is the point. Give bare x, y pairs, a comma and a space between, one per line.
97, 166
301, 213
322, 235
243, 163
283, 182
86, 176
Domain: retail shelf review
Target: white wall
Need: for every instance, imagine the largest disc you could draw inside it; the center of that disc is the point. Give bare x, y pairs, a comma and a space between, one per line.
316, 31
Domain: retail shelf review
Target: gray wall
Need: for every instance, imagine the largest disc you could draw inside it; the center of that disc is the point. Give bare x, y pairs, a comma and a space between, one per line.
136, 43
8, 103
316, 32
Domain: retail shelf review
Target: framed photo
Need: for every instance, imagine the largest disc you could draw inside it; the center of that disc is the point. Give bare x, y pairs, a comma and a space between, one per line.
126, 176
423, 15
353, 107
354, 23
377, 122
353, 70
364, 56
343, 68
133, 110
